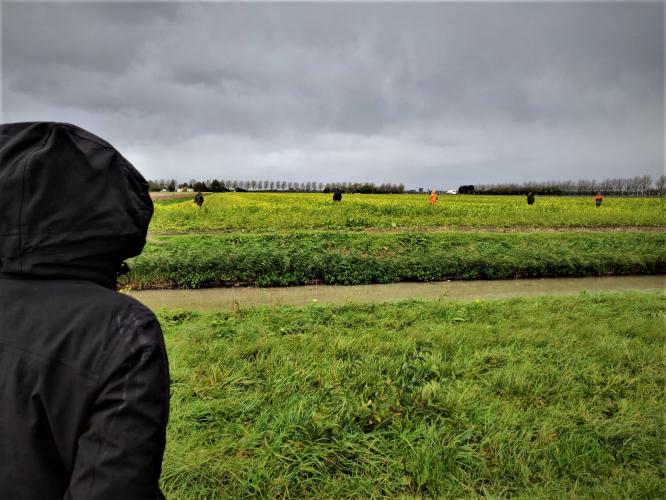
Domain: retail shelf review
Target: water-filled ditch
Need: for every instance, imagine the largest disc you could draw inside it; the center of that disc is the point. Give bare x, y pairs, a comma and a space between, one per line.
226, 298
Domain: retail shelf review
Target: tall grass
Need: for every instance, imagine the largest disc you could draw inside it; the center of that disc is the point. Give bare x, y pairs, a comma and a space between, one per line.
294, 258
540, 398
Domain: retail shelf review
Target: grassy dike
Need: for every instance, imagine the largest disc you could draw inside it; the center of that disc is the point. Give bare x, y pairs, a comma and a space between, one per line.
548, 397
354, 258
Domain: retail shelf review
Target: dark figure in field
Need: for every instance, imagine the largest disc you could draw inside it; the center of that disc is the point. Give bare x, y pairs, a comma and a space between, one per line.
337, 196
84, 381
530, 198
598, 199
198, 199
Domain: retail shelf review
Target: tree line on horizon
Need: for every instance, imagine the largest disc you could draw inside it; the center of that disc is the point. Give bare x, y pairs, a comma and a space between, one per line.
641, 185
217, 186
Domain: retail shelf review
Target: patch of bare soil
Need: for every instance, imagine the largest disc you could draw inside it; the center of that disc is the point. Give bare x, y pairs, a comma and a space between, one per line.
159, 195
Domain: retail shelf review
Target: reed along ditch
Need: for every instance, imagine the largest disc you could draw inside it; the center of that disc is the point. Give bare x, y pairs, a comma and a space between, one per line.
241, 297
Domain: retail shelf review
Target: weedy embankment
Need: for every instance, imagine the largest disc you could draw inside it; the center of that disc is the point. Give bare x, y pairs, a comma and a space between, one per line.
301, 257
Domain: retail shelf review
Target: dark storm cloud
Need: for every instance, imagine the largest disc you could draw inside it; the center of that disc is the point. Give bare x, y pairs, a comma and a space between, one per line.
430, 94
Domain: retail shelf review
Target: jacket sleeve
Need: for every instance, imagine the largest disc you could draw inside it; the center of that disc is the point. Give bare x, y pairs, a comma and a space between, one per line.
120, 449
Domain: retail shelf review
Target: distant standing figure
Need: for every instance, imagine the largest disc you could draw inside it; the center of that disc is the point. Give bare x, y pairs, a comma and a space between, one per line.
199, 199
598, 199
433, 197
337, 196
530, 198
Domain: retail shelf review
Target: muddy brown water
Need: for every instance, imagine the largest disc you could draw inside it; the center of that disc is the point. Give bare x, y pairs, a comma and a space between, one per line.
239, 297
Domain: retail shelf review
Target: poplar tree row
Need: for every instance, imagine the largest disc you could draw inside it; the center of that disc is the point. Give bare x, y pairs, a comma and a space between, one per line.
216, 185
640, 185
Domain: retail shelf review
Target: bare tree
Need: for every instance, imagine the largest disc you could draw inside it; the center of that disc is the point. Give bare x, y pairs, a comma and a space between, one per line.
625, 184
606, 185
632, 185
583, 186
645, 184
617, 186
660, 183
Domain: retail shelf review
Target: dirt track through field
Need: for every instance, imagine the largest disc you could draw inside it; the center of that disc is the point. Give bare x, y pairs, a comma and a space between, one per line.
615, 229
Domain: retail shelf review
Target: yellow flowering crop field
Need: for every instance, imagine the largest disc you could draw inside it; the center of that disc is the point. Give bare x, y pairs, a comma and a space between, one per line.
260, 212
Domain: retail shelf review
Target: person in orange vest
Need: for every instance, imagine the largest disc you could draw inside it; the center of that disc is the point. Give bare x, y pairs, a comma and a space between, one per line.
598, 199
433, 197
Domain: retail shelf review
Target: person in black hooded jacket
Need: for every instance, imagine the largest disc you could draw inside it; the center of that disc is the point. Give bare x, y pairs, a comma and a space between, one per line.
84, 383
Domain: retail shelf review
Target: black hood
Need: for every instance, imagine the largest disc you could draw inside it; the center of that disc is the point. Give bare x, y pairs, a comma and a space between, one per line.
70, 205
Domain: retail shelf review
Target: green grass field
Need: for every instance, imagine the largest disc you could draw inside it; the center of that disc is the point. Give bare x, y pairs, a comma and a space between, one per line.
354, 258
535, 398
261, 212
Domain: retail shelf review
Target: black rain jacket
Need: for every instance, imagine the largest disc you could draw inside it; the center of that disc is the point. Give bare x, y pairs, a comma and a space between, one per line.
84, 388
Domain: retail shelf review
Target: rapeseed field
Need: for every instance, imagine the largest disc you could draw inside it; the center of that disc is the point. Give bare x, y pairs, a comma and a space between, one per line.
261, 212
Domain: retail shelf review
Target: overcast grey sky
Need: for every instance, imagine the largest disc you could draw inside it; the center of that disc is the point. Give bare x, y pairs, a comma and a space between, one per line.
430, 94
